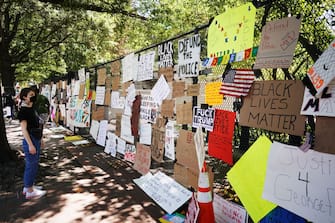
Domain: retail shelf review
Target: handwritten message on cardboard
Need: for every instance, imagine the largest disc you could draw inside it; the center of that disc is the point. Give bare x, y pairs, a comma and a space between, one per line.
274, 106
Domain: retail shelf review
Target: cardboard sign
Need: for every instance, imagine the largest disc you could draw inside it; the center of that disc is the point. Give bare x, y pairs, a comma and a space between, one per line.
323, 106
116, 67
142, 159
184, 113
189, 177
81, 91
278, 42
167, 108
115, 83
108, 83
193, 90
107, 97
158, 142
101, 76
186, 151
167, 72
274, 106
324, 135
98, 113
323, 71
301, 182
220, 140
178, 89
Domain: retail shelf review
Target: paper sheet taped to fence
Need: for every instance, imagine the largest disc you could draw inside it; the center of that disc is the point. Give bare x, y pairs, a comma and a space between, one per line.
302, 182
274, 106
165, 191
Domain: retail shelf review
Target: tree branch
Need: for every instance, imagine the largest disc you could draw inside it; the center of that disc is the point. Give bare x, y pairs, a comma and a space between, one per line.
95, 8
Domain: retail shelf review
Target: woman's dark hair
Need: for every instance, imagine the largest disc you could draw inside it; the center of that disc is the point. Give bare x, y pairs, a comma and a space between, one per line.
24, 93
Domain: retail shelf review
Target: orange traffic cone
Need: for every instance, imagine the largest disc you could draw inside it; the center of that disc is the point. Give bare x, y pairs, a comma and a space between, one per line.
205, 200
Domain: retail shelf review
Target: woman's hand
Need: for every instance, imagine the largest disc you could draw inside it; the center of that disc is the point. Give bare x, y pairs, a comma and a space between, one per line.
32, 150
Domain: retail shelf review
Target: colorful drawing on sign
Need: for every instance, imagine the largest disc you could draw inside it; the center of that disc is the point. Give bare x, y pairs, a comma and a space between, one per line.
323, 71
189, 56
165, 54
212, 93
301, 182
226, 36
281, 215
279, 39
130, 152
237, 82
251, 168
323, 106
274, 106
203, 118
221, 138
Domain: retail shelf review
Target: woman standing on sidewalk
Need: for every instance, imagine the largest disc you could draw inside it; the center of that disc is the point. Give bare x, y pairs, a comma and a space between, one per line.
32, 133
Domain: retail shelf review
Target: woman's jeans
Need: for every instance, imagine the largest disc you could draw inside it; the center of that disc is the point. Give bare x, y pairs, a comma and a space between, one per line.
31, 165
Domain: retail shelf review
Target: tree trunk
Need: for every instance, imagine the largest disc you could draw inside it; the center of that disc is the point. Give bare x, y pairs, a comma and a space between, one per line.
6, 153
7, 73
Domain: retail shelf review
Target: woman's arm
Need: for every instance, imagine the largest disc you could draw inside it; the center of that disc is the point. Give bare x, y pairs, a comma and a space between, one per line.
32, 149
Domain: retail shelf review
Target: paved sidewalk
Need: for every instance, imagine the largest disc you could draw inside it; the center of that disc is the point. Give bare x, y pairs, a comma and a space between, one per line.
83, 185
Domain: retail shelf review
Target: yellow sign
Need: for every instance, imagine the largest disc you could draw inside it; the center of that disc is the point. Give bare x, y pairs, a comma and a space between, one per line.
212, 93
247, 178
231, 31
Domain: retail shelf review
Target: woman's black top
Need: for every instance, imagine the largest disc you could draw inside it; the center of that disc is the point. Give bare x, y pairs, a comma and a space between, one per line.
33, 124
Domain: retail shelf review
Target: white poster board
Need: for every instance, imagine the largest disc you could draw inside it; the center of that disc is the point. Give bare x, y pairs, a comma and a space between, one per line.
101, 139
129, 67
94, 129
164, 190
228, 212
100, 95
323, 71
170, 135
145, 68
126, 129
323, 106
301, 182
189, 56
161, 90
